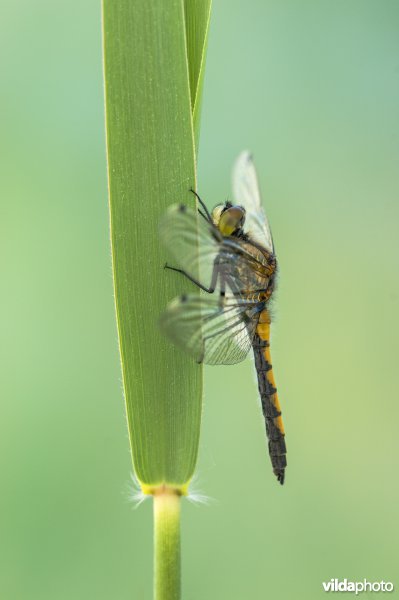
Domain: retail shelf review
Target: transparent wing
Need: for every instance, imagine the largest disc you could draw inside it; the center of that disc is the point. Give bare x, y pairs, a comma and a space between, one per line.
246, 193
192, 242
197, 246
212, 333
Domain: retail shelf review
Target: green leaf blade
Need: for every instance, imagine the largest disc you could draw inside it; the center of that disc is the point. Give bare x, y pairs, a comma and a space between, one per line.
197, 18
151, 164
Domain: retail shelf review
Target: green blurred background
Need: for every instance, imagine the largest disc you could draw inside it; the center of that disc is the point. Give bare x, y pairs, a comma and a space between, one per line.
312, 88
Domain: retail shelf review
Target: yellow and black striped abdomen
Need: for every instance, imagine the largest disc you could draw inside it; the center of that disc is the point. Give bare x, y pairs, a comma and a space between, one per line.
268, 393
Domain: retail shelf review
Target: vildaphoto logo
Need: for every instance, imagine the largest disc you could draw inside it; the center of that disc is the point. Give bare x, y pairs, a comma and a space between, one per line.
336, 585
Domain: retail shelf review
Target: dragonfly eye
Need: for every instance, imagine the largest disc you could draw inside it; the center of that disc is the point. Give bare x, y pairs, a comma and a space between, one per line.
231, 220
216, 213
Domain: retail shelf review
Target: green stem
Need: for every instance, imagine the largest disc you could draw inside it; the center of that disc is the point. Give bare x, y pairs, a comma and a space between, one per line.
167, 545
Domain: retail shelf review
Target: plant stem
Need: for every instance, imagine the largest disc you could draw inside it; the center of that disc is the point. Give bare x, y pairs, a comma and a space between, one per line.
167, 545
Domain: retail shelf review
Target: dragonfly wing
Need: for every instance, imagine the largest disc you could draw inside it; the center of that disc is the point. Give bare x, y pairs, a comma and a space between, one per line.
246, 193
196, 245
211, 332
192, 242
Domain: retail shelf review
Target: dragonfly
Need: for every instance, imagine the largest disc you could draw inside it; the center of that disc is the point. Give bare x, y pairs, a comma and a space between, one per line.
229, 254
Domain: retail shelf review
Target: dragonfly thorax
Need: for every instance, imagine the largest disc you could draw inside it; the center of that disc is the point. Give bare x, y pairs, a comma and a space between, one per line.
228, 219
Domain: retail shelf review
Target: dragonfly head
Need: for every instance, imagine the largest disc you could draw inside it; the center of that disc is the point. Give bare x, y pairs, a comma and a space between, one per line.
228, 219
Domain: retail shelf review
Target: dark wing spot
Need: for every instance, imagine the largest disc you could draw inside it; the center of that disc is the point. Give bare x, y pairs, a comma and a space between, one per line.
182, 208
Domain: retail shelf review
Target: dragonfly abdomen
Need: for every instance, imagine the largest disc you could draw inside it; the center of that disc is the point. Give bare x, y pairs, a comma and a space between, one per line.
269, 398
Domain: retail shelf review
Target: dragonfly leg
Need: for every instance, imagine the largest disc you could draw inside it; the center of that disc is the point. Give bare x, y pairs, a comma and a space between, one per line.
203, 216
209, 289
208, 216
